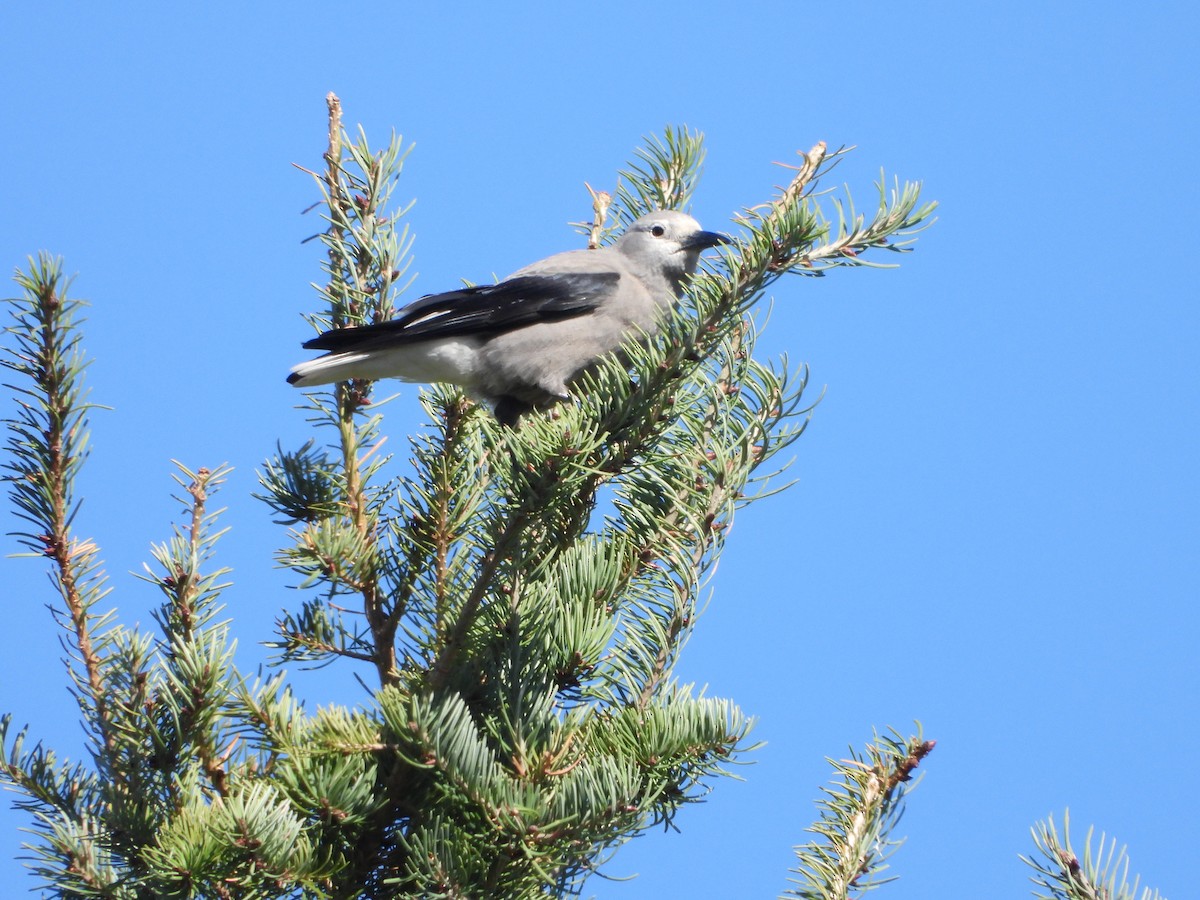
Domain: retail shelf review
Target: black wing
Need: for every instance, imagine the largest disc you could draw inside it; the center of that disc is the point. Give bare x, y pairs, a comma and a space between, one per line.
484, 310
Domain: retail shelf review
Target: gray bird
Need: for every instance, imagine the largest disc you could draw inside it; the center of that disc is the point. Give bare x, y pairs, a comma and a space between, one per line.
518, 344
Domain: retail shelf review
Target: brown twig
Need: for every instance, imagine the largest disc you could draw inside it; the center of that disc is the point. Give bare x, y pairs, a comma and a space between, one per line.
805, 172
601, 201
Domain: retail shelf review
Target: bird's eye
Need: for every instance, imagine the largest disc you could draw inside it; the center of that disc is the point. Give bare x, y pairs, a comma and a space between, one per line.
658, 231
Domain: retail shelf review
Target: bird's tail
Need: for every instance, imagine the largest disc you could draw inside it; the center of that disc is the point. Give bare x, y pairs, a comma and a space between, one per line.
327, 369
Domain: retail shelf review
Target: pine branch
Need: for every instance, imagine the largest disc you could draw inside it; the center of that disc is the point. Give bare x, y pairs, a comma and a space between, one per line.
48, 445
506, 542
366, 258
198, 659
857, 816
1103, 874
440, 509
351, 396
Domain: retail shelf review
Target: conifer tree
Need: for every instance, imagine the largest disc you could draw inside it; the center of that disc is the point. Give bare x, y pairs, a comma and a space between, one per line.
516, 598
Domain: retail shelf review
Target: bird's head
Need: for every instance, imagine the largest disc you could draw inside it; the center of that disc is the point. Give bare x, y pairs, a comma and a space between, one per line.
668, 242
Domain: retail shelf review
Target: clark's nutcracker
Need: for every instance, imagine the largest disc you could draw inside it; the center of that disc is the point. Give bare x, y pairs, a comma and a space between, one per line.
516, 345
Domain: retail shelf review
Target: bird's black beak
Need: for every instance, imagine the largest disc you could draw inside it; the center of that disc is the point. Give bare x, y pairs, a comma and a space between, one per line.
702, 240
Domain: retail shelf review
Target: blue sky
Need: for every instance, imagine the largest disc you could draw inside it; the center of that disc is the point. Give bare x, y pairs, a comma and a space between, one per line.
994, 528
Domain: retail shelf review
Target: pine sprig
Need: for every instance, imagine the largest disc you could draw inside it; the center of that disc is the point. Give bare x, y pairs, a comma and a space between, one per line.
663, 175
439, 527
857, 814
48, 445
368, 251
1102, 874
197, 668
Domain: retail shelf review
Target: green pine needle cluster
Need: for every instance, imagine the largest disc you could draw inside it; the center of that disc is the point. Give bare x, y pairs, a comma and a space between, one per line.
857, 814
1103, 874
